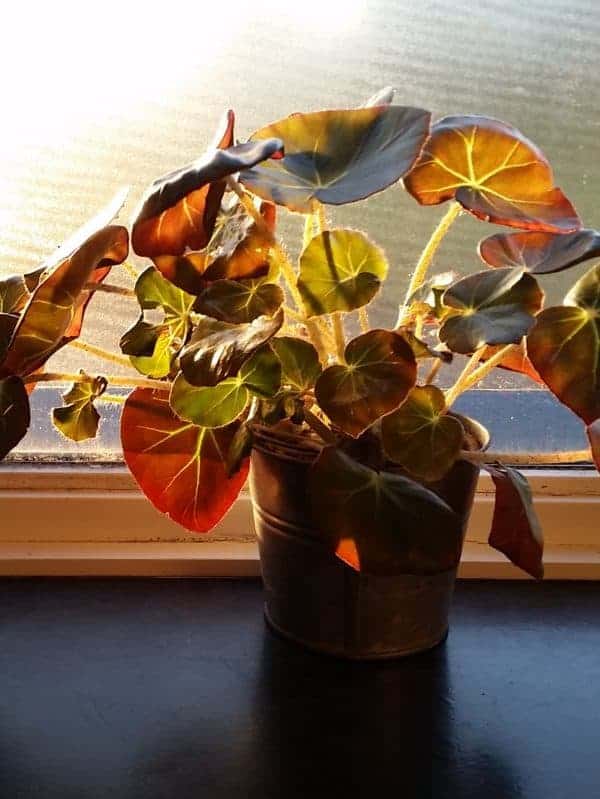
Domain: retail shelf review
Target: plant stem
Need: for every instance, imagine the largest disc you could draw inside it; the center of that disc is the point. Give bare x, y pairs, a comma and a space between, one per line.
339, 336
287, 270
100, 353
363, 319
113, 380
308, 232
321, 429
487, 366
109, 288
111, 398
525, 458
424, 262
319, 215
130, 269
462, 381
432, 374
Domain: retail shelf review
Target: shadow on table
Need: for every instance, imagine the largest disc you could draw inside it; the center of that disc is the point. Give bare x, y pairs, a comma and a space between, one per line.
320, 727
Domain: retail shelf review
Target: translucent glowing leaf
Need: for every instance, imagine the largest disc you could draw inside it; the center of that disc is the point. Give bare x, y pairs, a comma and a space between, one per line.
179, 210
13, 294
239, 301
340, 270
78, 419
179, 466
338, 157
379, 522
152, 346
564, 347
494, 172
39, 332
238, 250
299, 361
540, 253
421, 436
379, 372
14, 413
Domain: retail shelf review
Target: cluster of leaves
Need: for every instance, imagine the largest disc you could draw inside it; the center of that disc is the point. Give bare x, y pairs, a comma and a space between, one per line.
223, 353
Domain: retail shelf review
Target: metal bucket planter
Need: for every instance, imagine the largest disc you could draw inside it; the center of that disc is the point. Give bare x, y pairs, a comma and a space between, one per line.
317, 600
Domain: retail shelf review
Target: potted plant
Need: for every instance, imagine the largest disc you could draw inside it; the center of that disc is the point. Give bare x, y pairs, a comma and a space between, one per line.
362, 474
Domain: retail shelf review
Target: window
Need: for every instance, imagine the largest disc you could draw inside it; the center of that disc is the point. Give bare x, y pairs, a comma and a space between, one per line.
96, 99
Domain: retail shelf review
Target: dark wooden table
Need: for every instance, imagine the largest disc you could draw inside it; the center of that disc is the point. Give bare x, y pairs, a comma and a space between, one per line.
123, 689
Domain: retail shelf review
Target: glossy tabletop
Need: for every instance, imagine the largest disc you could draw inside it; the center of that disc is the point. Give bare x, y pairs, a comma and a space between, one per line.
122, 689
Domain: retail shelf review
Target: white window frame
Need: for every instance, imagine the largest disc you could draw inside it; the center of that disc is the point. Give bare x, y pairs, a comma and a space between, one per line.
76, 520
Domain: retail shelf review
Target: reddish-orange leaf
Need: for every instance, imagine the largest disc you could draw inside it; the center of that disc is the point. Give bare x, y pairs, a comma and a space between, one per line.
241, 252
39, 334
515, 361
179, 210
179, 466
516, 530
494, 172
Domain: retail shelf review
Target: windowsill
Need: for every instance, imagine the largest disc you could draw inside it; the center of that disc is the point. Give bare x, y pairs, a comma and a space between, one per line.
92, 520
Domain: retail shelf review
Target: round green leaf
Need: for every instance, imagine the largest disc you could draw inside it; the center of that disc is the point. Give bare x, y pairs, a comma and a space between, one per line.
153, 347
239, 302
14, 413
209, 406
261, 373
564, 347
379, 372
217, 349
491, 307
340, 270
299, 361
338, 157
421, 436
379, 522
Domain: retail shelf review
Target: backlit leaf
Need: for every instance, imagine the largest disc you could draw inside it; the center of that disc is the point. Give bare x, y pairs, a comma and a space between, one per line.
14, 413
491, 307
237, 250
218, 349
238, 302
180, 209
217, 406
516, 530
421, 436
8, 322
379, 372
153, 346
209, 406
40, 331
338, 157
239, 449
179, 466
564, 347
540, 253
78, 419
421, 349
13, 294
379, 522
494, 172
299, 361
340, 270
